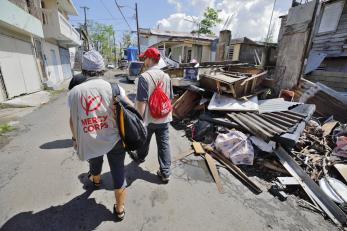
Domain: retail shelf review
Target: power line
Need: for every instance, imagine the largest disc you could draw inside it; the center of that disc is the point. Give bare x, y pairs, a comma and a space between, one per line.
103, 4
97, 19
122, 14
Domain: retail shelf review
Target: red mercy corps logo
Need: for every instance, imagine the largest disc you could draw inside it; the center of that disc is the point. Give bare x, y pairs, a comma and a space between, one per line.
91, 104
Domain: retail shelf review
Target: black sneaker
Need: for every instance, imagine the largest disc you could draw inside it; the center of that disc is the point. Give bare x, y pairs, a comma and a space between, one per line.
135, 157
163, 178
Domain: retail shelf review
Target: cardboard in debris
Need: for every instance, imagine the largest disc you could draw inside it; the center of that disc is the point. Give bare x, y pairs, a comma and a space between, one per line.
225, 103
342, 169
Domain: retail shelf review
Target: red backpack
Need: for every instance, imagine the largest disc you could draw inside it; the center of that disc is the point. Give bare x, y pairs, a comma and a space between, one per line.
159, 103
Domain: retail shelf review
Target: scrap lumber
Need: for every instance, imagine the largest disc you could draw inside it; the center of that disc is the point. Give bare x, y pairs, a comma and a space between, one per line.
236, 171
311, 188
328, 127
183, 155
342, 169
319, 94
199, 150
185, 103
212, 166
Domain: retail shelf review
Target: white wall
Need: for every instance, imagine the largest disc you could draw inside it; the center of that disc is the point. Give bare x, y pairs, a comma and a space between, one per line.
54, 72
206, 54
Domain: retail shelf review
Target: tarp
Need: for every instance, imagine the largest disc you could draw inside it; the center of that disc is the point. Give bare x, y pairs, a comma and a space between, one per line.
132, 53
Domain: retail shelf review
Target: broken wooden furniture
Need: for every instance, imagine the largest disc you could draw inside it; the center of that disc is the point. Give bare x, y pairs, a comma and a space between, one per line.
230, 81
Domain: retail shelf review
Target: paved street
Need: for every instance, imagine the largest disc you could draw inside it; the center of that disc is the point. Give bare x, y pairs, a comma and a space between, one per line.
43, 186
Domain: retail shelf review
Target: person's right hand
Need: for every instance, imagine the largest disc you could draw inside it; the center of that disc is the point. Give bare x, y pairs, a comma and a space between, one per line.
74, 143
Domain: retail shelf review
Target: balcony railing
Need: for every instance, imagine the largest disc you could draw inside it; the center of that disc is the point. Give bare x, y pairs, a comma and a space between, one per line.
56, 26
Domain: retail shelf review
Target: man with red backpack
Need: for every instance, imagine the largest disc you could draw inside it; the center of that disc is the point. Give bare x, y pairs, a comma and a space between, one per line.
153, 102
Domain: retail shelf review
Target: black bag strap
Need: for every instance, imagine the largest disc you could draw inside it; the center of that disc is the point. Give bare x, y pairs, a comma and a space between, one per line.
115, 89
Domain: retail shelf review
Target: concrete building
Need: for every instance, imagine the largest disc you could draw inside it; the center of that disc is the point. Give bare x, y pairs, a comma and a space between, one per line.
245, 50
20, 71
59, 37
35, 38
179, 46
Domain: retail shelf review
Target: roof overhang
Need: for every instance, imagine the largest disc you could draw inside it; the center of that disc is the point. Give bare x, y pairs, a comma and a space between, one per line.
68, 6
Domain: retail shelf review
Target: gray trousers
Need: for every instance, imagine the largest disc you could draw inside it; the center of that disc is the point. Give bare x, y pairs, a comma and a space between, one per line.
116, 161
161, 132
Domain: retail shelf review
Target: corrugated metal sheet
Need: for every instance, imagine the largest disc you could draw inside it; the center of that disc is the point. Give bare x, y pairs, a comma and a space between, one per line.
275, 105
267, 125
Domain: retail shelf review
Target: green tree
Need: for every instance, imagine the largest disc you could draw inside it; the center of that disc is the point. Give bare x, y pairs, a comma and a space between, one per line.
102, 39
126, 39
210, 20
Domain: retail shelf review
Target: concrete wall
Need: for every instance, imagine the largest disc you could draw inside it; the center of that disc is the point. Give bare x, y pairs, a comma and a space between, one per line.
15, 18
176, 53
206, 54
247, 53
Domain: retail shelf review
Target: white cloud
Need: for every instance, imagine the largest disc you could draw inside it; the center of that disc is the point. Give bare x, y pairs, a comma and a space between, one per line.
177, 3
177, 22
249, 17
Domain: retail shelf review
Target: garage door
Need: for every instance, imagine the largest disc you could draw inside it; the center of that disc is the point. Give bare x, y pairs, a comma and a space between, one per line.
18, 67
65, 62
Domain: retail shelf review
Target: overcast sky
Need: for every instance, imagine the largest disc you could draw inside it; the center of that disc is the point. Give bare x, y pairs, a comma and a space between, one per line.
248, 17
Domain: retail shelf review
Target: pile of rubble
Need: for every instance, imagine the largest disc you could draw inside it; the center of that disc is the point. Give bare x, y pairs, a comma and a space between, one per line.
230, 114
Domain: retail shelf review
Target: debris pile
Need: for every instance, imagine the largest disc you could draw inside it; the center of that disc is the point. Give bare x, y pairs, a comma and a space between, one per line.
230, 114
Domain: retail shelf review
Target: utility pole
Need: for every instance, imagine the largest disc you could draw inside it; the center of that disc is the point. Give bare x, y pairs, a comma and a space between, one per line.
137, 27
85, 16
114, 48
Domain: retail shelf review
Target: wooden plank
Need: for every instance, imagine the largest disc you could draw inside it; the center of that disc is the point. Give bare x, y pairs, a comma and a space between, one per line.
236, 171
183, 155
212, 166
329, 74
342, 169
328, 127
199, 150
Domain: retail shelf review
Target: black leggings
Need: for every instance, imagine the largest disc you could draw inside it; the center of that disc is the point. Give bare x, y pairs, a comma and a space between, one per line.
116, 161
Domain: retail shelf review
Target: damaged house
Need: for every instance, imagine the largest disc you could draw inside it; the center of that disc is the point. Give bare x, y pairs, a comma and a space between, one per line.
179, 46
327, 59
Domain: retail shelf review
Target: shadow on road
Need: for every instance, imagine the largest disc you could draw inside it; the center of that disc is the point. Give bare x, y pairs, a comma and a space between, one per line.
80, 213
126, 81
57, 144
132, 172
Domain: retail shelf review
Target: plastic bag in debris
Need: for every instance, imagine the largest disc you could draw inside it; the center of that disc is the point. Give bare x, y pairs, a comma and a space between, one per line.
92, 61
341, 147
201, 130
235, 146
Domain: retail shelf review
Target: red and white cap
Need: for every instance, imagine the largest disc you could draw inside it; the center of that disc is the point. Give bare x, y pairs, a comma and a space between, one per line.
151, 53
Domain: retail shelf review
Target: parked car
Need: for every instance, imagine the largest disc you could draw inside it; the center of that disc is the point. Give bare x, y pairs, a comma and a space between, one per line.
134, 70
110, 66
123, 63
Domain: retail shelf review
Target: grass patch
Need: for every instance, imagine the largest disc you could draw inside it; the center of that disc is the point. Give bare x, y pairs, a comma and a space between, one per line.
4, 106
4, 128
56, 92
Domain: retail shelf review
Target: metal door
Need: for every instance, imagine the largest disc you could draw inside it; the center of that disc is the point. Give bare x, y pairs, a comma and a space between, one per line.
55, 65
18, 67
65, 62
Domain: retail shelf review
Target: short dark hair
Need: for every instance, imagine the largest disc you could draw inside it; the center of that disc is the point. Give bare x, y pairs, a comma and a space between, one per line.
93, 73
155, 60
